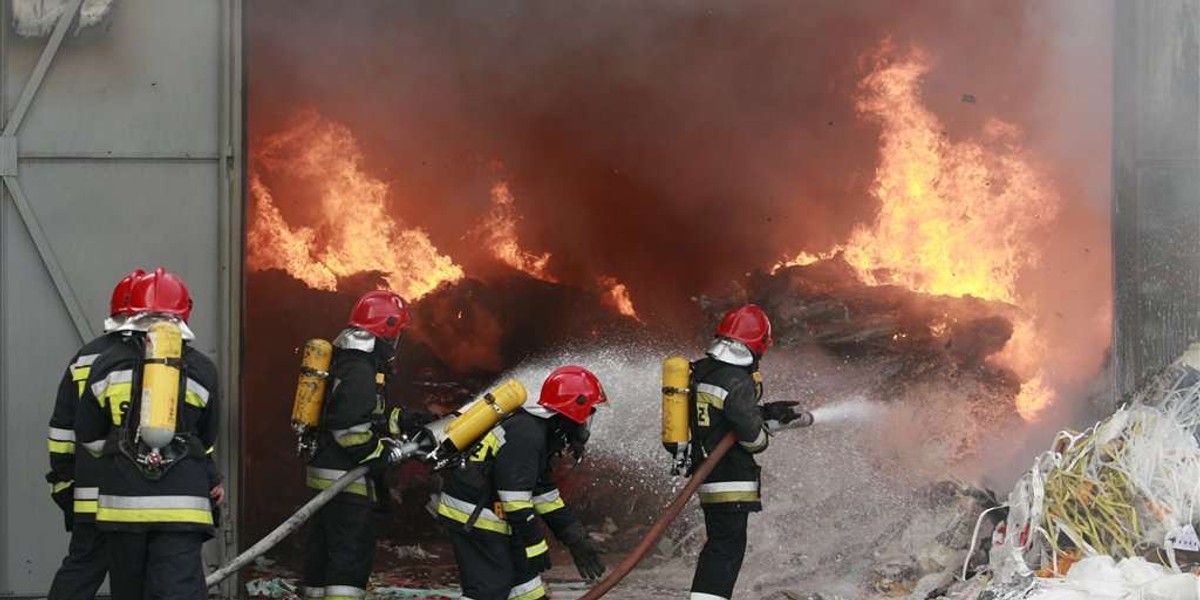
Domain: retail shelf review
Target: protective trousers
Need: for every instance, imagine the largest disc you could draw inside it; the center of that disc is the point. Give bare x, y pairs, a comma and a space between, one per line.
83, 570
721, 559
156, 565
341, 550
486, 568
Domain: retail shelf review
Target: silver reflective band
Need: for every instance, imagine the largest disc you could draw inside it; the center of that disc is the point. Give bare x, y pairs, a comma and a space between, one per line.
194, 387
312, 592
712, 390
345, 590
88, 493
84, 361
729, 486
526, 587
547, 497
703, 596
62, 435
511, 496
101, 386
95, 447
360, 428
155, 502
468, 508
758, 442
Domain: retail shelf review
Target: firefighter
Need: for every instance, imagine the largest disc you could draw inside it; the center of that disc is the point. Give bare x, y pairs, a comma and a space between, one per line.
490, 503
356, 429
155, 505
726, 387
73, 475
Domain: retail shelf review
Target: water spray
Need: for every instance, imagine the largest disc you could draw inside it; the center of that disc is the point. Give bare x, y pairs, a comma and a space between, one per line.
853, 410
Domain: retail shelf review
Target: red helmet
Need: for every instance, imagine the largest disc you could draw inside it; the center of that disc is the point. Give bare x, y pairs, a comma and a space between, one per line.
748, 325
162, 293
381, 313
120, 305
572, 392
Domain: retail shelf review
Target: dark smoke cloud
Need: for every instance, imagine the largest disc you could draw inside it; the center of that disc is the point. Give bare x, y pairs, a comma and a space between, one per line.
673, 144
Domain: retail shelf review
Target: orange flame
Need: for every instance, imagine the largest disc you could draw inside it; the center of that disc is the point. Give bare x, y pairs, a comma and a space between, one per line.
617, 297
353, 231
499, 231
956, 218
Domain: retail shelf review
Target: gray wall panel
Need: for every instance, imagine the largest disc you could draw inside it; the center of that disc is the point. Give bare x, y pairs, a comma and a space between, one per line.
37, 343
144, 85
129, 156
105, 219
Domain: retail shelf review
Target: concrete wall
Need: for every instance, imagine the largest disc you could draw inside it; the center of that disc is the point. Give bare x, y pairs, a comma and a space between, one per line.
1156, 171
128, 155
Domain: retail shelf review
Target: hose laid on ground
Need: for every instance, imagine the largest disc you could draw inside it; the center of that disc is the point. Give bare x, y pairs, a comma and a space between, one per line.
677, 505
286, 528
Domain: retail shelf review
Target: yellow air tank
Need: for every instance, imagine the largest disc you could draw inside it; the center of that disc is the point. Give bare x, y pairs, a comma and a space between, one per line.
310, 389
481, 416
160, 384
676, 371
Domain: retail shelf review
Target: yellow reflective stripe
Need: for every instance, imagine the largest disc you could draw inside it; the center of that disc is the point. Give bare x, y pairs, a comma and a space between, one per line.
194, 399
116, 395
60, 486
354, 439
537, 549
539, 592
515, 505
86, 506
549, 507
211, 450
711, 400
486, 524
154, 515
720, 497
317, 483
373, 455
57, 447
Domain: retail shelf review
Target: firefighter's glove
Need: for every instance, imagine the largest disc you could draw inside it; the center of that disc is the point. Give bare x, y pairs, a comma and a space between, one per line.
65, 499
587, 558
389, 455
785, 412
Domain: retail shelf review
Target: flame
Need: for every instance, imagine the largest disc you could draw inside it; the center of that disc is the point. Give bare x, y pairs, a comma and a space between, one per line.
499, 231
956, 218
353, 231
617, 296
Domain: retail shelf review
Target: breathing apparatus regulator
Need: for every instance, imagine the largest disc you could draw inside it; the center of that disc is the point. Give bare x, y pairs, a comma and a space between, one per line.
154, 446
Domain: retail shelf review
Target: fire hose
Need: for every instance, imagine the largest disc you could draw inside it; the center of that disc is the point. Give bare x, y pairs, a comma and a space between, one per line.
676, 506
295, 521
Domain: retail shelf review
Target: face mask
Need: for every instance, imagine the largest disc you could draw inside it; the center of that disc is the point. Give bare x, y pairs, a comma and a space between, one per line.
576, 439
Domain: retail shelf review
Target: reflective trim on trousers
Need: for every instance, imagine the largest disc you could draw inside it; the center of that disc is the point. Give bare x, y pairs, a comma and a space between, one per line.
703, 596
312, 593
530, 590
460, 511
344, 592
87, 493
